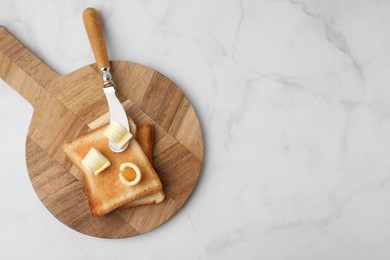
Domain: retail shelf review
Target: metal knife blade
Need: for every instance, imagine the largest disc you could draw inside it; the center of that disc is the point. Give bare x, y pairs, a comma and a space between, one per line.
116, 112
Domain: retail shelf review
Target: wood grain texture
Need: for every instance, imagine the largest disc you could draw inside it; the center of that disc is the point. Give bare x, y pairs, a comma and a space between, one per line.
67, 106
94, 29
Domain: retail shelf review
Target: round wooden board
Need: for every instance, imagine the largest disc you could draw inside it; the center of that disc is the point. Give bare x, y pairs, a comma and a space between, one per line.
68, 106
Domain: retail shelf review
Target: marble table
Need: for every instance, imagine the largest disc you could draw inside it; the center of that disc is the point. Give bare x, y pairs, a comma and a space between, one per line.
294, 100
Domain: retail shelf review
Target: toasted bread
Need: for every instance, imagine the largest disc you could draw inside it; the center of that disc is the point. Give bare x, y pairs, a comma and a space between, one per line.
145, 138
105, 191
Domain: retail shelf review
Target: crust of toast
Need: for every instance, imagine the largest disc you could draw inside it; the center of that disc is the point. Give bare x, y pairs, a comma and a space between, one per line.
105, 191
145, 138
154, 198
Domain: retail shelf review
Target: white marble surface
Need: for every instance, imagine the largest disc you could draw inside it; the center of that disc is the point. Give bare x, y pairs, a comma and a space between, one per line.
294, 100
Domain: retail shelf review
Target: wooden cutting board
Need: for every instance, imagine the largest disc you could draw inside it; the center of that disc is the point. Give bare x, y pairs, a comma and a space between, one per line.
70, 105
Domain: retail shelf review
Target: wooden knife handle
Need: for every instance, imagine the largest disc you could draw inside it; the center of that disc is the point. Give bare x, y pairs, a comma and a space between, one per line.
94, 29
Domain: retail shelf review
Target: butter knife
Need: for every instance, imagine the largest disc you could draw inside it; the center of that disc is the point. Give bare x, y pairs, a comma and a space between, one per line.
94, 29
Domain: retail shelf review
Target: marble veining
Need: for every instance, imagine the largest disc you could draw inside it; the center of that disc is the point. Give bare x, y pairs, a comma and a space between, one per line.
294, 102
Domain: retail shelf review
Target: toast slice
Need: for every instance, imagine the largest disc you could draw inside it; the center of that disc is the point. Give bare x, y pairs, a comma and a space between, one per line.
145, 138
105, 191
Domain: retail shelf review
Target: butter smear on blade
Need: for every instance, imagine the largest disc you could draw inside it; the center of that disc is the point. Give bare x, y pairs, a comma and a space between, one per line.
117, 134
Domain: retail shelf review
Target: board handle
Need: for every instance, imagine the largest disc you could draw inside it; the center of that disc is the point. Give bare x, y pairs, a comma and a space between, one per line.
21, 69
94, 29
